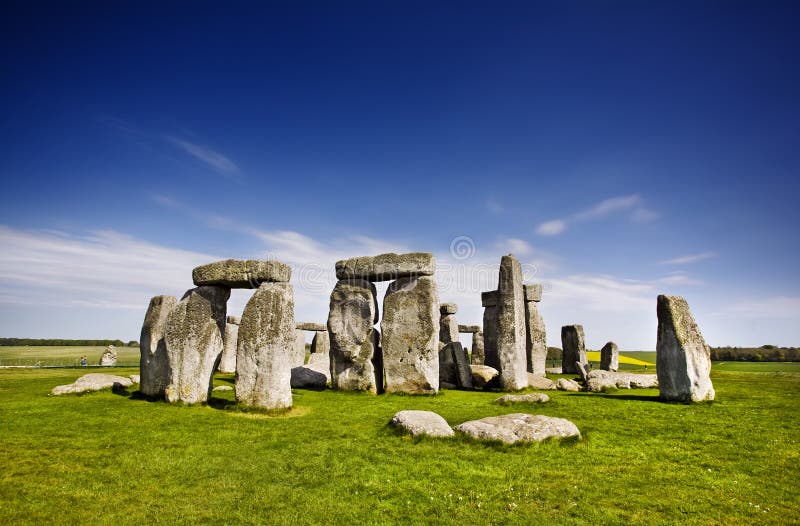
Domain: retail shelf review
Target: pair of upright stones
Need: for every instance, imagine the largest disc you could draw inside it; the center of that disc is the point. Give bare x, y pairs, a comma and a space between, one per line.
574, 358
182, 342
454, 370
405, 355
513, 330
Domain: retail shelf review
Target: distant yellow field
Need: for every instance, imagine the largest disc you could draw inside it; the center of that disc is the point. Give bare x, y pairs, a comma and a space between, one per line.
594, 356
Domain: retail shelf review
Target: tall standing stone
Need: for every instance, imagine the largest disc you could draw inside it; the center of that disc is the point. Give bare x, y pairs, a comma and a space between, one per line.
353, 312
489, 303
448, 326
535, 334
609, 357
511, 325
153, 360
573, 348
227, 364
266, 344
299, 349
321, 343
478, 351
194, 343
683, 360
410, 328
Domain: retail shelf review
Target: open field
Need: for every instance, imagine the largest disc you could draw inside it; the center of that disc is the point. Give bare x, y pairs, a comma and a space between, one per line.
66, 356
111, 458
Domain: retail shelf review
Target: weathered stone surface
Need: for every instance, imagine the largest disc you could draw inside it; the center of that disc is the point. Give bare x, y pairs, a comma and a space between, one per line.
321, 343
519, 427
489, 299
92, 382
490, 356
535, 339
310, 326
454, 367
153, 359
135, 378
299, 348
562, 384
609, 357
308, 377
321, 361
241, 274
421, 423
236, 320
533, 292
532, 398
227, 364
683, 360
267, 341
478, 352
194, 343
109, 357
469, 328
353, 339
553, 370
448, 328
448, 308
511, 326
482, 375
573, 348
387, 267
582, 370
410, 328
540, 382
598, 381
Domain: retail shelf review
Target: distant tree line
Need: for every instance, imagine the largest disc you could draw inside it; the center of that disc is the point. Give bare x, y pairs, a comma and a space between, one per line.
8, 342
765, 353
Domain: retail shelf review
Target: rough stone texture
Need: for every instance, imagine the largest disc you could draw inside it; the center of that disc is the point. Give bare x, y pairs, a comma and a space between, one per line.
448, 328
582, 370
227, 364
321, 343
387, 267
92, 382
478, 351
562, 384
469, 328
573, 348
448, 308
109, 357
609, 357
353, 311
683, 360
194, 343
309, 377
490, 356
299, 348
410, 328
482, 375
153, 359
535, 339
511, 326
532, 398
310, 326
533, 292
598, 381
321, 361
540, 382
489, 299
241, 274
454, 367
236, 320
519, 427
553, 370
422, 423
267, 340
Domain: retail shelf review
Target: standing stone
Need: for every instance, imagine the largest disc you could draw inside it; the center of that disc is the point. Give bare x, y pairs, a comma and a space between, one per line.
609, 357
511, 325
321, 343
448, 326
109, 357
489, 302
410, 327
573, 348
535, 339
299, 349
227, 364
265, 350
153, 360
683, 360
477, 348
353, 312
194, 343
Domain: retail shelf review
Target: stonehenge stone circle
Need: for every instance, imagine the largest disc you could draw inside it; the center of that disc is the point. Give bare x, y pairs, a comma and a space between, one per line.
573, 348
241, 274
448, 326
264, 352
609, 357
683, 360
153, 360
227, 364
109, 357
511, 325
410, 328
353, 339
535, 334
519, 427
387, 267
193, 336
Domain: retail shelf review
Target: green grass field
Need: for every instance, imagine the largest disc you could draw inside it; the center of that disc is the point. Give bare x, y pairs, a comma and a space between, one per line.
105, 458
64, 356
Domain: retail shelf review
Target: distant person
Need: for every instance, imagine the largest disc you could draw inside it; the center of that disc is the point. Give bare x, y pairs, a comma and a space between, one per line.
84, 361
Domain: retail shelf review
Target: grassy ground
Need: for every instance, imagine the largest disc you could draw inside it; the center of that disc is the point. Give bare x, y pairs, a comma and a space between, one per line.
110, 458
64, 356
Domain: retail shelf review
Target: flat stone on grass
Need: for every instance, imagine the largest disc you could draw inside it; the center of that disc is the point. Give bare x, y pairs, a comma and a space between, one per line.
92, 382
532, 398
519, 427
418, 423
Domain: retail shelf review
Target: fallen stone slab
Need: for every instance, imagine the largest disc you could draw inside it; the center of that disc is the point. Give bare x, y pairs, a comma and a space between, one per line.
135, 378
469, 328
311, 326
540, 382
519, 427
482, 375
309, 377
562, 384
223, 388
598, 381
418, 423
387, 267
553, 370
92, 382
241, 274
532, 398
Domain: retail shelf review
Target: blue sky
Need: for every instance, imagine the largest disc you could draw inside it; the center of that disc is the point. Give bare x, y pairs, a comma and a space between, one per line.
619, 149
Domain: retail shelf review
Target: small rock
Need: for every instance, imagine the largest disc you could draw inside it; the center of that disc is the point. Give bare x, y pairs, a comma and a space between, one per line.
599, 381
92, 382
519, 427
309, 377
422, 423
553, 370
135, 378
567, 385
532, 398
482, 375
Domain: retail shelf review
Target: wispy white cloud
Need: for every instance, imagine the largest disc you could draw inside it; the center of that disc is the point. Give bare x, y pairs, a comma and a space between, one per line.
633, 203
608, 206
494, 206
518, 247
689, 258
644, 215
775, 307
213, 159
551, 228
